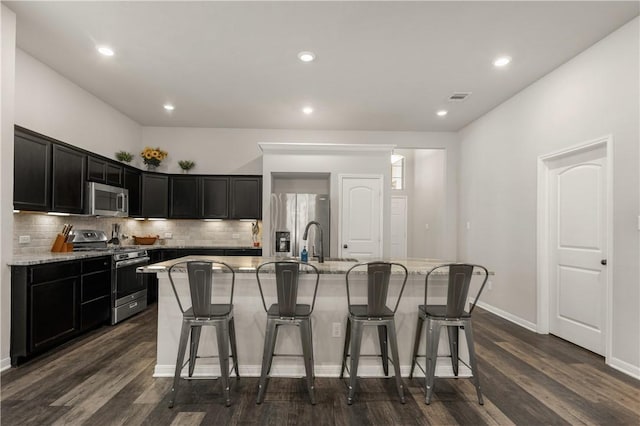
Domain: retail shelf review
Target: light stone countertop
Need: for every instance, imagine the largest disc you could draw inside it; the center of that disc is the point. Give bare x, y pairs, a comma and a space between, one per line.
248, 264
42, 258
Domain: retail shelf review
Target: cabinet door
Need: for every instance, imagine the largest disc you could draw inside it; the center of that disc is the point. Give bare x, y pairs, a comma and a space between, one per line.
114, 174
31, 173
215, 197
68, 180
246, 197
132, 180
53, 312
184, 197
155, 189
96, 170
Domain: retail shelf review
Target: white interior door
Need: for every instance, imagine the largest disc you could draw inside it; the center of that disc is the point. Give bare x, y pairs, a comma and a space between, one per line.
360, 217
577, 219
399, 226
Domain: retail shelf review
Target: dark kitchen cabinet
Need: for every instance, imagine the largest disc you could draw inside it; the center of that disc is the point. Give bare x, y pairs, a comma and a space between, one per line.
31, 172
104, 171
214, 195
54, 302
243, 252
95, 292
44, 307
155, 189
245, 197
68, 176
132, 180
184, 197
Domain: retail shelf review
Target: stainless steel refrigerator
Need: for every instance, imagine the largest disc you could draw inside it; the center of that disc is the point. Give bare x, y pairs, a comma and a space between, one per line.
290, 213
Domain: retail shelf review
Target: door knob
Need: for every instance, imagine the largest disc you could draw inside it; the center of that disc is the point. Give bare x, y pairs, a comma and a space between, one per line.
603, 262
345, 246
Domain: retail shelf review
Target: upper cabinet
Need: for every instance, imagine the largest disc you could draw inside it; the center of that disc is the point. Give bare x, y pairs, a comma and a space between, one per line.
155, 189
104, 171
214, 193
68, 177
132, 180
184, 199
31, 172
246, 197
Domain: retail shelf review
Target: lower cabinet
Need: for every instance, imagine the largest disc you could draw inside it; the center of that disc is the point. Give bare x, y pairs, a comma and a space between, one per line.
55, 302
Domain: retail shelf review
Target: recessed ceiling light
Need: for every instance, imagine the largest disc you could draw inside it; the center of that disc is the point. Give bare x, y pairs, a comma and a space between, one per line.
169, 107
307, 110
442, 113
501, 61
105, 50
306, 56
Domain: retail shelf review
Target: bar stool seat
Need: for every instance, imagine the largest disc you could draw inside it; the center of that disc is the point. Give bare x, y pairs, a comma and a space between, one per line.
287, 312
374, 313
203, 312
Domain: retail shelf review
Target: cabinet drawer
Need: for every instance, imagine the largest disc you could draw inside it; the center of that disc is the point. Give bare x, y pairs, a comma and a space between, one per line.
95, 285
95, 312
54, 271
95, 265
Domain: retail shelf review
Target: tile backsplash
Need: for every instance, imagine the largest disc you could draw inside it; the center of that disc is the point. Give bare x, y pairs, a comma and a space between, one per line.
42, 230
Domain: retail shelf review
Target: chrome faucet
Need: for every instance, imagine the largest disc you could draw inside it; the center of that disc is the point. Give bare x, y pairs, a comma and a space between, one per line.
305, 235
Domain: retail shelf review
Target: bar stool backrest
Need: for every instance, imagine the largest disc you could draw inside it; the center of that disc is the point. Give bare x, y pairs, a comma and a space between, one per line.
378, 279
287, 274
200, 274
287, 287
459, 281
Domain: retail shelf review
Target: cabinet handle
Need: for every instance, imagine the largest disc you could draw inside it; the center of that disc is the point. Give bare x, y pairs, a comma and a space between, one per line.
345, 246
603, 262
133, 305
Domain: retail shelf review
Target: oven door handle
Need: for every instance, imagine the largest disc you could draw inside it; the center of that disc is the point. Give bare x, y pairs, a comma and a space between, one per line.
131, 262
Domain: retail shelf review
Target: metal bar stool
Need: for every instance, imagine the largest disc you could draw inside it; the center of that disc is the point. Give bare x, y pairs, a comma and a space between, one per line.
451, 315
287, 311
374, 313
205, 313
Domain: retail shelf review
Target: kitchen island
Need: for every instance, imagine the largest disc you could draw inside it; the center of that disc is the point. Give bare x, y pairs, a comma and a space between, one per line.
328, 320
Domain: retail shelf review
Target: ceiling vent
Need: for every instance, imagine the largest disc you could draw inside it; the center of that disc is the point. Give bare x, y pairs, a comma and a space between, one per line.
459, 96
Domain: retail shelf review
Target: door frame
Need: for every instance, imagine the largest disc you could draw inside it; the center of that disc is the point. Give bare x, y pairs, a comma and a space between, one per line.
543, 230
383, 202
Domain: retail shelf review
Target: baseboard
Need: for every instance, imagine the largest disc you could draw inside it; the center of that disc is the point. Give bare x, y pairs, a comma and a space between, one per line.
509, 317
624, 367
5, 364
443, 369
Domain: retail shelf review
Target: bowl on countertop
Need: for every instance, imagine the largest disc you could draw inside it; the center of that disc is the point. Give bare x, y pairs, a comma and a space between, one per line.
145, 241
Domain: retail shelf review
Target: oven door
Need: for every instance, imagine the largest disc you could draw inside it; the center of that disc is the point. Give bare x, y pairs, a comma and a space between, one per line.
127, 282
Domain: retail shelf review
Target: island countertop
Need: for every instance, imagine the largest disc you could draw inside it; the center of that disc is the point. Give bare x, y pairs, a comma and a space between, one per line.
248, 264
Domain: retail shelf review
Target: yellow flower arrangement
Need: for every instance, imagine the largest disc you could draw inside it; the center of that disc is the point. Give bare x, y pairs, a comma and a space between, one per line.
153, 156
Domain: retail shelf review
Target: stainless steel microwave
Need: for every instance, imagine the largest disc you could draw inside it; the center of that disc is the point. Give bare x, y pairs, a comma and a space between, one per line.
106, 200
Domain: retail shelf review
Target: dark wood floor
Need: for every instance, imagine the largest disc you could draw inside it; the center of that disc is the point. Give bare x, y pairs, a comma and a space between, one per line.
528, 379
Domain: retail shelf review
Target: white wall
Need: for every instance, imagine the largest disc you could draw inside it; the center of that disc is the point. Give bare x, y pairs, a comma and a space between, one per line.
593, 95
48, 103
7, 94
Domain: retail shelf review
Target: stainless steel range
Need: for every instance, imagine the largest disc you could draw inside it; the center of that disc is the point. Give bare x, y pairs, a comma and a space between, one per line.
128, 289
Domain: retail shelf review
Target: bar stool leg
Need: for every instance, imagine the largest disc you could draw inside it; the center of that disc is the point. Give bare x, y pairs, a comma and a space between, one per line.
222, 333
452, 332
307, 352
416, 344
234, 350
384, 349
267, 355
182, 349
393, 340
193, 349
468, 331
433, 337
345, 351
356, 341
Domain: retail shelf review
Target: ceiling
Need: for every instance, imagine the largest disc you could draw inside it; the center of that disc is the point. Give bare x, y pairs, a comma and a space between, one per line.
379, 66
